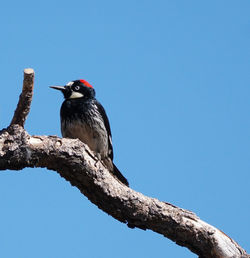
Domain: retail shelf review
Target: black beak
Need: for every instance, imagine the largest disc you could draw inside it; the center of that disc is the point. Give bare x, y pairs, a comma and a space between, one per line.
61, 88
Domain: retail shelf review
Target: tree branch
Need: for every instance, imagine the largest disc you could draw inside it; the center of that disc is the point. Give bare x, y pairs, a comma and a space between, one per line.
23, 106
74, 161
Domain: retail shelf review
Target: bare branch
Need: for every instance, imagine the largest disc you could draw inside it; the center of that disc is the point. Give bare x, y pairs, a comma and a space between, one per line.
23, 106
74, 161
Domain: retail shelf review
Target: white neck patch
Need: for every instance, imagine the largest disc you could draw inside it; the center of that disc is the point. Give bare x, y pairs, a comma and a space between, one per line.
76, 95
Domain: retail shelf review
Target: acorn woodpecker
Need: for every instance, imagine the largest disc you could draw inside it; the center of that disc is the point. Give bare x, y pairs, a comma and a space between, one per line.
83, 117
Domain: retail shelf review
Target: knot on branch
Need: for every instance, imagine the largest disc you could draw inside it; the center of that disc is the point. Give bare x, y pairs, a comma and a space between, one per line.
13, 148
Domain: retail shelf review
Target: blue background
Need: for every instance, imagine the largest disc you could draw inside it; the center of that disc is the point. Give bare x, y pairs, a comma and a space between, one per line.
174, 79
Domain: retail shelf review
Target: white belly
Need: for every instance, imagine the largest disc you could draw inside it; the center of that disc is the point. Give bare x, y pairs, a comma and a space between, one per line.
96, 138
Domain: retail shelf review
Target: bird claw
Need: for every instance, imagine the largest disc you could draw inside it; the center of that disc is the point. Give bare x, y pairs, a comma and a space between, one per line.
97, 158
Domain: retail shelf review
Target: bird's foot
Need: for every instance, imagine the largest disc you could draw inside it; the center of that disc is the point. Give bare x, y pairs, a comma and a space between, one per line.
97, 158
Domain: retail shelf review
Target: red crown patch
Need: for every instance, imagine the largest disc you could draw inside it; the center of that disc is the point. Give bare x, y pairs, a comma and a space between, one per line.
86, 83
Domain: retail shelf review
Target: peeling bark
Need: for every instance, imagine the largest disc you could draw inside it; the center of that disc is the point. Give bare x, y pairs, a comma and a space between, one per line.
75, 162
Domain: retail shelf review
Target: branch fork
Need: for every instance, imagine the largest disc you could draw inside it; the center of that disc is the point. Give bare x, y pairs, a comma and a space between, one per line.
75, 162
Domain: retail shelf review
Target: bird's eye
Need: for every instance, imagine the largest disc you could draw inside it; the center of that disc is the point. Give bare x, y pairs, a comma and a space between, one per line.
77, 87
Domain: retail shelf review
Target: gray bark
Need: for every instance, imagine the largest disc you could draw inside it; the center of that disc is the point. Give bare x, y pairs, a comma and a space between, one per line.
74, 161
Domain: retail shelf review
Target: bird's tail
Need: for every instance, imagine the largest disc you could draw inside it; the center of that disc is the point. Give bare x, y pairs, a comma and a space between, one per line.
119, 175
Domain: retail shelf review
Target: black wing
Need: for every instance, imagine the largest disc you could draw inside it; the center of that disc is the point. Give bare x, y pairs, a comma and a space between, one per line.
107, 126
116, 171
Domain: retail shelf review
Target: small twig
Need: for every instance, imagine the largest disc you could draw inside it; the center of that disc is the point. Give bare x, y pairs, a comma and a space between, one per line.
23, 106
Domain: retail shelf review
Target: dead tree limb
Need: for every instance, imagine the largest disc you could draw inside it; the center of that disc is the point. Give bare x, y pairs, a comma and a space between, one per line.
23, 106
74, 161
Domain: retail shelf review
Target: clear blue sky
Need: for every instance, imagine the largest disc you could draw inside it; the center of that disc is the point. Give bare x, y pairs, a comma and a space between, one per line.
174, 79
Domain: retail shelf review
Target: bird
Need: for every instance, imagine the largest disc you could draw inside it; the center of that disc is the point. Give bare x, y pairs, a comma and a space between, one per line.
82, 116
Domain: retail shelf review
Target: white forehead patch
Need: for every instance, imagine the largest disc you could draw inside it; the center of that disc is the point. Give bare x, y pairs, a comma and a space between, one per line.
75, 95
69, 83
